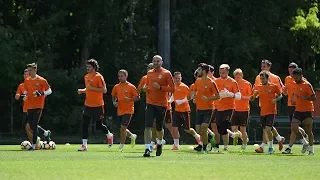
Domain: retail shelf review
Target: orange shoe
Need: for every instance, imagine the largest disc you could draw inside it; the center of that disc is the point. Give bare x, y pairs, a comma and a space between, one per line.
259, 150
281, 143
174, 148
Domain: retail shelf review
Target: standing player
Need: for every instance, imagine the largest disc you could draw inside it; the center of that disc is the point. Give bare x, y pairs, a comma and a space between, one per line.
94, 104
36, 88
266, 66
181, 115
229, 92
242, 111
124, 94
21, 96
206, 92
287, 90
159, 84
269, 94
303, 97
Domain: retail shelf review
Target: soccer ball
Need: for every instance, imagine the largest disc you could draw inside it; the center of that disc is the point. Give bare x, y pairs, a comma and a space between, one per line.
41, 145
52, 145
25, 145
46, 145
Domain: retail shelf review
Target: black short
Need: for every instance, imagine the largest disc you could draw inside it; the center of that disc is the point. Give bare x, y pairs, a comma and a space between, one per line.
34, 115
168, 117
291, 110
125, 119
204, 116
301, 116
154, 112
214, 119
222, 116
268, 120
24, 118
96, 113
181, 118
240, 118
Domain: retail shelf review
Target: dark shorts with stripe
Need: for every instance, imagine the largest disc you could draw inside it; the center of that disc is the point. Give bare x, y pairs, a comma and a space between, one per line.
267, 120
204, 116
96, 113
24, 118
240, 118
157, 113
181, 119
214, 119
301, 116
168, 117
34, 115
125, 119
222, 116
291, 110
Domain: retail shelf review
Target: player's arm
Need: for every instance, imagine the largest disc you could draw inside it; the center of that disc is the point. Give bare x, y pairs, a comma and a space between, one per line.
312, 94
170, 88
278, 95
114, 96
18, 93
255, 93
215, 91
135, 95
236, 93
249, 92
142, 85
102, 86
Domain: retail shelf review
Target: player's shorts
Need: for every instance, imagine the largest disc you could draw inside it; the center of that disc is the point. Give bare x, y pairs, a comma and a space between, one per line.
125, 119
291, 110
181, 118
301, 116
268, 120
214, 119
204, 116
34, 116
222, 116
240, 118
154, 112
96, 113
168, 117
24, 118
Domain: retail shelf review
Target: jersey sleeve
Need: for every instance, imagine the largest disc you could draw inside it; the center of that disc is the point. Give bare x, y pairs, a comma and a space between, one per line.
170, 88
101, 82
214, 88
310, 90
249, 89
134, 91
45, 84
235, 87
142, 82
255, 88
114, 91
19, 89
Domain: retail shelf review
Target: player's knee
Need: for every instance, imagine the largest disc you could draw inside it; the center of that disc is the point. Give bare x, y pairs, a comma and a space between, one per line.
86, 119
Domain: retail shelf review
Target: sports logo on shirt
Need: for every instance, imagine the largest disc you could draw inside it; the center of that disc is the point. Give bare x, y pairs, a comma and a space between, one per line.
300, 89
227, 86
269, 90
125, 91
179, 90
37, 84
160, 76
205, 87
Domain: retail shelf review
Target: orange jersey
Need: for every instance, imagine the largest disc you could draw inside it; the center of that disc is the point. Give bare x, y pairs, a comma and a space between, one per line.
206, 88
181, 92
266, 93
232, 86
304, 89
245, 88
121, 91
163, 77
274, 79
94, 98
192, 88
32, 85
289, 83
19, 92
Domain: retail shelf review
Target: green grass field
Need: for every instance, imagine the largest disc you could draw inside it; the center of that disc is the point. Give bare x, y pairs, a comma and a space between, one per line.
101, 162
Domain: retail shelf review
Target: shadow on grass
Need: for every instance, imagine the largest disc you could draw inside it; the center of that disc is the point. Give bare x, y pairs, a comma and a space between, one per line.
138, 157
13, 150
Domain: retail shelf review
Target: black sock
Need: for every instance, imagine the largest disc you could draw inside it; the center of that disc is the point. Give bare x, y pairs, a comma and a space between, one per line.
209, 137
217, 146
204, 147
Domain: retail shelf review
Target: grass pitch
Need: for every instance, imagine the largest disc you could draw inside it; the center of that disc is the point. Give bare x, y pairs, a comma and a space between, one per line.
101, 162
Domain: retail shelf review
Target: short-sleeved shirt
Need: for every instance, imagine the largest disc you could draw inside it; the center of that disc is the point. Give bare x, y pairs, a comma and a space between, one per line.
304, 89
181, 92
121, 91
94, 98
232, 86
266, 93
245, 88
205, 87
20, 91
272, 79
32, 85
163, 77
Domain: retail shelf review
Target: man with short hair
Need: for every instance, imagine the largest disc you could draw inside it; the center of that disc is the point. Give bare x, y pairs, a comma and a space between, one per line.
269, 94
94, 103
124, 94
303, 96
159, 84
36, 88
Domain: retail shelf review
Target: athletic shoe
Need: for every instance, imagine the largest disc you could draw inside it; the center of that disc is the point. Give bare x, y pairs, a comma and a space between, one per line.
287, 151
236, 138
310, 153
38, 142
216, 150
305, 148
174, 148
110, 140
281, 143
259, 150
133, 140
83, 148
212, 140
159, 150
203, 152
198, 148
243, 149
270, 151
225, 150
146, 153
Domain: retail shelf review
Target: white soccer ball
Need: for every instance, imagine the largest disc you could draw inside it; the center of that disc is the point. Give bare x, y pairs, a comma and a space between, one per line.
52, 145
46, 145
25, 145
43, 143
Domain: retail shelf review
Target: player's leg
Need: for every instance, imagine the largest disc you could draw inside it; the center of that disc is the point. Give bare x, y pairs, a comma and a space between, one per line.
216, 133
154, 136
176, 123
308, 128
268, 128
279, 138
187, 126
204, 129
223, 127
34, 126
160, 117
149, 119
199, 117
235, 123
132, 136
86, 118
168, 121
125, 121
297, 119
98, 115
29, 131
292, 139
263, 122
